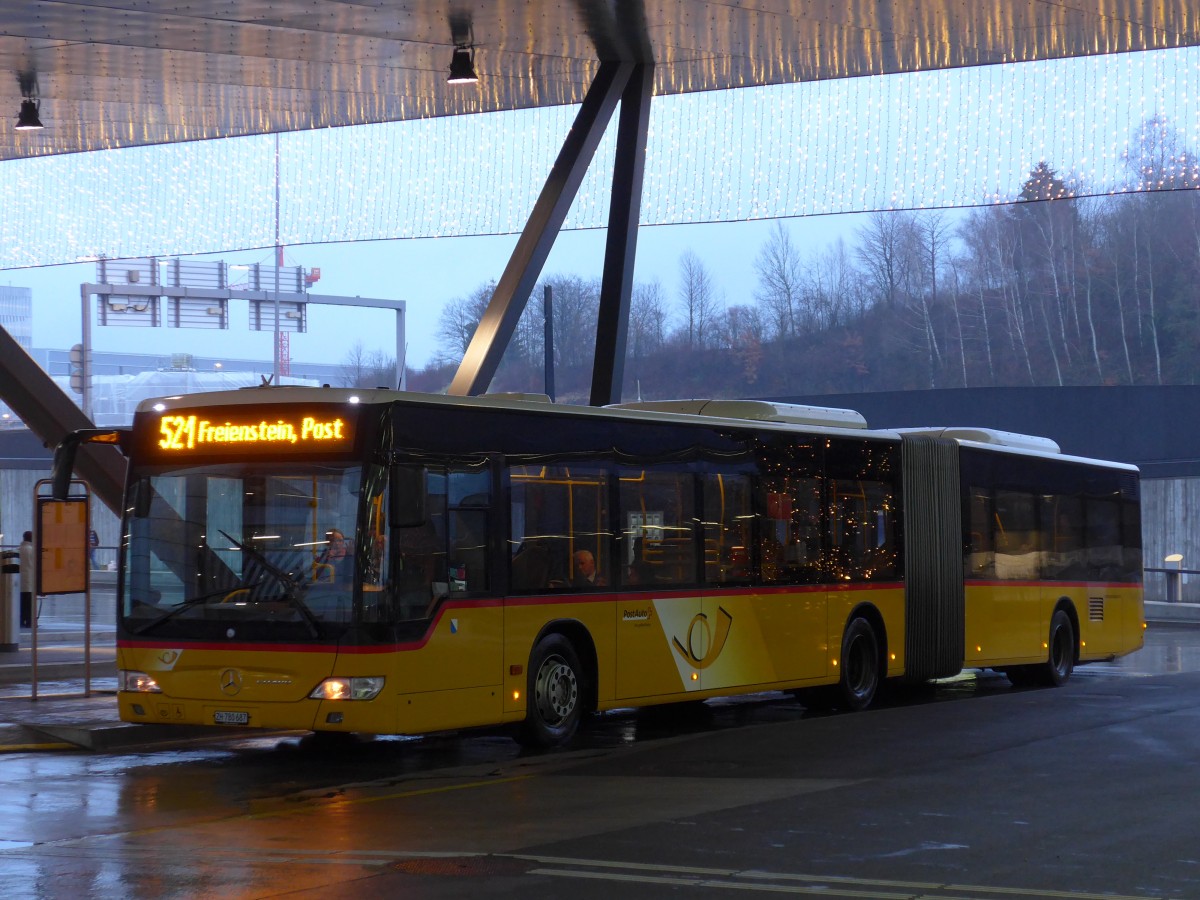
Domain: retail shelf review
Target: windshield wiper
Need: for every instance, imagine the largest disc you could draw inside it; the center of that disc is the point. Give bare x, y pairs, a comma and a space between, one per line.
187, 604
292, 589
284, 578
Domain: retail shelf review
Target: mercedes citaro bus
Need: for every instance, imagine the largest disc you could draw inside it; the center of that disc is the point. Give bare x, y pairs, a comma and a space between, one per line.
399, 563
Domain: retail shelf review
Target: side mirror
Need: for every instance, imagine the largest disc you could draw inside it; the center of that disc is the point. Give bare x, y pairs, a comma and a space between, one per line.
63, 466
406, 506
64, 455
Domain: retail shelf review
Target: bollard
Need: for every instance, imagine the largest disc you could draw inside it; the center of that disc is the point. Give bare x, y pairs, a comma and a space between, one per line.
9, 602
1174, 587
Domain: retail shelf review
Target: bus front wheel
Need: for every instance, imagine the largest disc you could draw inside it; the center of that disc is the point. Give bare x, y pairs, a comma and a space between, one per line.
555, 697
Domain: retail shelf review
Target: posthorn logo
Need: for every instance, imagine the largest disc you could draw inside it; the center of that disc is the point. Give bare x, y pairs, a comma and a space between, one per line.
703, 643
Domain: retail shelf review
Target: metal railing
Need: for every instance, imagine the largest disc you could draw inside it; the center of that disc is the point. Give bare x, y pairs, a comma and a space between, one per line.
1171, 584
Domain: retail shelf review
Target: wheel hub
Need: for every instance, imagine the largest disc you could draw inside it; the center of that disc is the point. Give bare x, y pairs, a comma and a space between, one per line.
557, 689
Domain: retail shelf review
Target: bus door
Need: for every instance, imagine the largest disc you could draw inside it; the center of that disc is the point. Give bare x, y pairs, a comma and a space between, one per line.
661, 634
441, 564
733, 642
1005, 615
791, 605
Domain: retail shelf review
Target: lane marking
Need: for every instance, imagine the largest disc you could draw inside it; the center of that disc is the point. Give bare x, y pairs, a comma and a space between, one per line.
25, 748
793, 883
616, 872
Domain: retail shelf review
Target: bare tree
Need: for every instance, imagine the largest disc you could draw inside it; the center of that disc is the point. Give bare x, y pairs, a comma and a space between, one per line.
742, 331
884, 252
458, 321
366, 369
779, 281
1159, 161
648, 316
700, 307
932, 236
1089, 227
973, 233
576, 308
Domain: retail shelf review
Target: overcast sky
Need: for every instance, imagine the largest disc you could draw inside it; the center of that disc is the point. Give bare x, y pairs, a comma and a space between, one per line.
426, 273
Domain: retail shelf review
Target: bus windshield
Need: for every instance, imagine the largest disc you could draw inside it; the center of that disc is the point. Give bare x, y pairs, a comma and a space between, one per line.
247, 550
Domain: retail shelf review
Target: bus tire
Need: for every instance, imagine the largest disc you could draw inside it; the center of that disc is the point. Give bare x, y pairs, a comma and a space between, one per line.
1056, 670
555, 693
861, 666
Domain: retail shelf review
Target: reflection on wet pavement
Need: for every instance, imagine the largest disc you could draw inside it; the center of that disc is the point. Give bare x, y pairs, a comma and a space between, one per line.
1169, 650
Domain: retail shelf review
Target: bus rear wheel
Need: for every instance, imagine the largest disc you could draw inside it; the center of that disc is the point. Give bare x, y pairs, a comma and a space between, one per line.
555, 693
1057, 669
861, 672
1060, 661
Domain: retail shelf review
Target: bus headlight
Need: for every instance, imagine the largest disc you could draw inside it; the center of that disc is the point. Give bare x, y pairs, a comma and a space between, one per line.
137, 682
361, 688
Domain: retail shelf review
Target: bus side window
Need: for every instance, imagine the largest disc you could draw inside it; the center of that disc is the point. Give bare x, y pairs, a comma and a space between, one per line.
790, 545
658, 516
1015, 536
1104, 561
862, 514
559, 514
727, 518
981, 558
469, 497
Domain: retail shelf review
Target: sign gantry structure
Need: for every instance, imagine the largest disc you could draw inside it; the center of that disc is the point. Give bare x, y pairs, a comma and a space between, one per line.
128, 73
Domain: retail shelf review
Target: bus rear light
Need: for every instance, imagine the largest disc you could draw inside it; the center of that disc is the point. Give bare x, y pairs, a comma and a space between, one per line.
359, 688
136, 682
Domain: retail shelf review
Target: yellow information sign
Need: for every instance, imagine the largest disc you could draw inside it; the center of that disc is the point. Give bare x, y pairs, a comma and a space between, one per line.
62, 543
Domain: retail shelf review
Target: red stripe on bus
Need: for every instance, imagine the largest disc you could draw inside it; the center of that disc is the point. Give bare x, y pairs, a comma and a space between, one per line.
535, 600
1053, 584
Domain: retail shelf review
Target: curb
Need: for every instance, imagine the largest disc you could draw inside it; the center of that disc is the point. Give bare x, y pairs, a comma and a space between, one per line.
107, 736
1172, 613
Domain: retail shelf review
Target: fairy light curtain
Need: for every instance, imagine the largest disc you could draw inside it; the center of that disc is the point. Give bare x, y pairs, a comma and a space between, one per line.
953, 138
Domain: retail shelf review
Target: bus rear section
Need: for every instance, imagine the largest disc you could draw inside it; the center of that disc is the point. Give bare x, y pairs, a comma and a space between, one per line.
1044, 571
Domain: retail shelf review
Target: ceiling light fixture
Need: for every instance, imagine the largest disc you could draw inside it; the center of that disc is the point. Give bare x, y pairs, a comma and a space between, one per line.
27, 118
462, 66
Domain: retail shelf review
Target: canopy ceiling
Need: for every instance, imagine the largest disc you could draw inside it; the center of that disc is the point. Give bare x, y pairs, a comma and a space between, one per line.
118, 73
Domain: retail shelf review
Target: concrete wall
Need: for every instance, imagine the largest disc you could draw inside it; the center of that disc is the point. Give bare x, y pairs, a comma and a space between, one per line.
1169, 527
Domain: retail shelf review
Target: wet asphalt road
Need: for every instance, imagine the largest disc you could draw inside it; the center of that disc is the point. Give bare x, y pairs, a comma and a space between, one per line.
970, 789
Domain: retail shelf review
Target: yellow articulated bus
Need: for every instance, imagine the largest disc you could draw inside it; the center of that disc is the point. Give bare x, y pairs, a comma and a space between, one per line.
397, 563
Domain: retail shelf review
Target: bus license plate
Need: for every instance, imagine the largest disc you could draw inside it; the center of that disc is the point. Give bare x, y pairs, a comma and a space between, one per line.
231, 718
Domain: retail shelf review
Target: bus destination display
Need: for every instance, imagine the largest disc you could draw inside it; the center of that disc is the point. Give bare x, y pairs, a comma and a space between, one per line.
184, 432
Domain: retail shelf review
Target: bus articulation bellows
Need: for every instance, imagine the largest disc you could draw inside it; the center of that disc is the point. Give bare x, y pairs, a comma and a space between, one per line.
398, 563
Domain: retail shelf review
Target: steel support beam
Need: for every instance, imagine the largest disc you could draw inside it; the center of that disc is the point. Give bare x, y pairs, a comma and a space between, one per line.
525, 265
608, 365
51, 415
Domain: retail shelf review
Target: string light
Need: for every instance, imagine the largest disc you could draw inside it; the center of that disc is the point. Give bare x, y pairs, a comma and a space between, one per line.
954, 137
